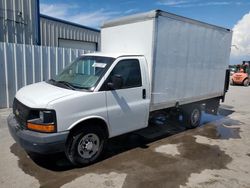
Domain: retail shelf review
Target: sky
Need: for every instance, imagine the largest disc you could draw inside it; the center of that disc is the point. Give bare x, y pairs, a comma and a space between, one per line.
232, 14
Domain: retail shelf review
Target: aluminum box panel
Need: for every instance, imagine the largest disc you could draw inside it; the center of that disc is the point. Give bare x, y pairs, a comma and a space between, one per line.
131, 38
190, 62
187, 59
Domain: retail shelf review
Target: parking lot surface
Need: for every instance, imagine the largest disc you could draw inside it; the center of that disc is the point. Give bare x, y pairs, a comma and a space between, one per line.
216, 154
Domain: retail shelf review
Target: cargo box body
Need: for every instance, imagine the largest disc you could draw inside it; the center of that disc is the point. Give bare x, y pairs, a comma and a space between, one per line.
187, 59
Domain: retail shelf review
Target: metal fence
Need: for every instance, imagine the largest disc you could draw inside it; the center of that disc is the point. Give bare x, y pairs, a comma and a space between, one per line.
21, 65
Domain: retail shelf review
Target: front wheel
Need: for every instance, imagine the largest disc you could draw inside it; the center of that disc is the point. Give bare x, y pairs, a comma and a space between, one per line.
246, 82
85, 146
192, 116
231, 82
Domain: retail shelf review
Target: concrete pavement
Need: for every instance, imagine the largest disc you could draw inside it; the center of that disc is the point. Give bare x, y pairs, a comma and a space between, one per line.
217, 154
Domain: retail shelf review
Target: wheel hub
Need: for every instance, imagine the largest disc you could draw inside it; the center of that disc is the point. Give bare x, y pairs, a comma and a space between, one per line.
195, 116
88, 145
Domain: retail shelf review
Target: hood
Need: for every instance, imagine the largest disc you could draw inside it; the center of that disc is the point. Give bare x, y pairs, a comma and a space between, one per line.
239, 74
40, 94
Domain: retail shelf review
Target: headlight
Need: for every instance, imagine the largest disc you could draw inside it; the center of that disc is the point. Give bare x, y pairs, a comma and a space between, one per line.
42, 121
46, 116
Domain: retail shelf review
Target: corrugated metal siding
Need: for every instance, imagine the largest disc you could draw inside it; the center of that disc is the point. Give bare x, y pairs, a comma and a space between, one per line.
19, 21
26, 64
53, 29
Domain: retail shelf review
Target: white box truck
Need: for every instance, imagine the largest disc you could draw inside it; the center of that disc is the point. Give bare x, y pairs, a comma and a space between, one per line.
150, 62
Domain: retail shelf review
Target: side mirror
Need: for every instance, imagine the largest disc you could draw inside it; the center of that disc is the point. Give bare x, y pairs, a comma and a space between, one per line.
116, 82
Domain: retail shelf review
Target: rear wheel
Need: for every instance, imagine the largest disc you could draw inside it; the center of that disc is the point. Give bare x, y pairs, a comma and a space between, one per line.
85, 146
246, 82
192, 116
231, 82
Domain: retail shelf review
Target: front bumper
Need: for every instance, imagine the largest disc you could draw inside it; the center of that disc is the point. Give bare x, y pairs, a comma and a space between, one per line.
43, 143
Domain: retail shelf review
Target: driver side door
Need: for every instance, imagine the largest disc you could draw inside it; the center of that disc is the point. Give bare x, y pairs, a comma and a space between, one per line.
128, 106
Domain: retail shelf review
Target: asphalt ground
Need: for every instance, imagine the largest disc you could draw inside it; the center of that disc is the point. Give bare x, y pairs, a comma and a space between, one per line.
216, 154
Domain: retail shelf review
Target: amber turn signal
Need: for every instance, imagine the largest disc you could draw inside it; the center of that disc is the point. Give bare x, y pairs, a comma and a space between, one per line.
48, 128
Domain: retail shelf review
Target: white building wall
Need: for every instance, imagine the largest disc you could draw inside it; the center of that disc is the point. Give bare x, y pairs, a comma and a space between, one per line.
19, 21
54, 31
22, 64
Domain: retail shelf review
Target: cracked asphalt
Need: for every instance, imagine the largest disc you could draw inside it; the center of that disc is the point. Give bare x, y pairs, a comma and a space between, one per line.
216, 154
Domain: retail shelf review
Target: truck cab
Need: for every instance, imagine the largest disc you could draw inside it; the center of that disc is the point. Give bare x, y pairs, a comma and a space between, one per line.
92, 99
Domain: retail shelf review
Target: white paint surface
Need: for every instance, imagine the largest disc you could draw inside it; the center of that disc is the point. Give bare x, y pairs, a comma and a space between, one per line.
169, 149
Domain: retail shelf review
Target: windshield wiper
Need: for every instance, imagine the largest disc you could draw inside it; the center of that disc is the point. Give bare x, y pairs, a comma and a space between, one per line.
67, 84
51, 80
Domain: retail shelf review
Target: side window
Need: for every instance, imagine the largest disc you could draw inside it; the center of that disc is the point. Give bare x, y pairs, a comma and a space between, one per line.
130, 71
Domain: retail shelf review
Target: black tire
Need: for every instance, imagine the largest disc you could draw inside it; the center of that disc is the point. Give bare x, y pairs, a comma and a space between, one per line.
192, 116
246, 82
85, 146
232, 82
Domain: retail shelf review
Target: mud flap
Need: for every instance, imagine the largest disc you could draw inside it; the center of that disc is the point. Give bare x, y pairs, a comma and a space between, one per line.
227, 80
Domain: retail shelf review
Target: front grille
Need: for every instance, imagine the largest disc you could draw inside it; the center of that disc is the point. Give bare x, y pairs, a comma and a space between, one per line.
21, 112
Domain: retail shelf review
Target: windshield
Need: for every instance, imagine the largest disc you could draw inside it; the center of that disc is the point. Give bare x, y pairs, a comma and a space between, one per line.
242, 68
84, 72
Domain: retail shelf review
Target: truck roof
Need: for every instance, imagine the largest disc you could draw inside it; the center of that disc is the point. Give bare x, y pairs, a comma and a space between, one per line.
154, 14
113, 55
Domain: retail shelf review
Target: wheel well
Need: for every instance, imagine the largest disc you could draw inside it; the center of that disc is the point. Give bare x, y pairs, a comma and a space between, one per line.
191, 105
95, 122
245, 79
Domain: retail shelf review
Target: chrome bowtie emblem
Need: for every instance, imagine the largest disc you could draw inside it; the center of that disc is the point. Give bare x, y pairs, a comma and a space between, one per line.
17, 112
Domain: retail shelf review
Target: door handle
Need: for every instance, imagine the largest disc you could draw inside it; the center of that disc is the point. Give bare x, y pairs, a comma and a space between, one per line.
144, 93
